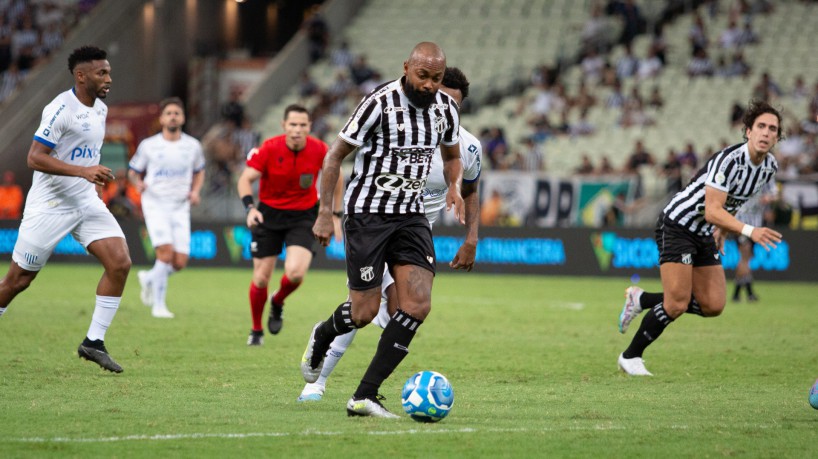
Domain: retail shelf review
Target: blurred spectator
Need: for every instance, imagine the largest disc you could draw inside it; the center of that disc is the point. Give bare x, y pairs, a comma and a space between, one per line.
122, 197
342, 57
496, 148
736, 114
649, 66
700, 64
766, 89
592, 64
233, 109
586, 167
688, 157
360, 70
605, 166
627, 64
639, 157
731, 36
594, 30
223, 156
633, 22
492, 210
672, 171
5, 43
633, 114
9, 80
375, 80
581, 127
307, 87
799, 88
655, 100
697, 35
317, 34
531, 157
11, 197
738, 66
748, 35
616, 98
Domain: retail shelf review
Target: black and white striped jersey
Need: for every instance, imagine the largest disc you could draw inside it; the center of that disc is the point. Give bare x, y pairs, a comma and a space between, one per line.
396, 142
729, 170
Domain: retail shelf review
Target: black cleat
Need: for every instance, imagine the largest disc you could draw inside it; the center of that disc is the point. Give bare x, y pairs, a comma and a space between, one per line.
275, 321
97, 353
256, 338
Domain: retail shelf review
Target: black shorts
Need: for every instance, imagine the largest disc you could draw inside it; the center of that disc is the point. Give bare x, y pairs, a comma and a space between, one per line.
290, 227
678, 245
371, 240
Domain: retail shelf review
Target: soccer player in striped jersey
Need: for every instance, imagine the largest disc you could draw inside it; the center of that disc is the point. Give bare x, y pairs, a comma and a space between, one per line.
394, 131
456, 85
691, 230
63, 199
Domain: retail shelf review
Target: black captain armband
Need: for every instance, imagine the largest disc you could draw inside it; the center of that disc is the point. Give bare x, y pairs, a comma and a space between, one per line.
248, 202
338, 214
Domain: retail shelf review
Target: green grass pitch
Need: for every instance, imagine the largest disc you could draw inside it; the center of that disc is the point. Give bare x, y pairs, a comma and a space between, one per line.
532, 361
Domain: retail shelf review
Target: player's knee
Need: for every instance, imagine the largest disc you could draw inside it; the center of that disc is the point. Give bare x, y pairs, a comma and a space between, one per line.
417, 310
18, 283
363, 317
712, 309
120, 267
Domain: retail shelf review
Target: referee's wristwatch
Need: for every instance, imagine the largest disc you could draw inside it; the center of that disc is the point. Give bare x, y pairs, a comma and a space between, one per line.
338, 214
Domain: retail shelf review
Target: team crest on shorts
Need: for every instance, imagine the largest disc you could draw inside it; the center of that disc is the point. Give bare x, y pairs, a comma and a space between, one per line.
687, 258
367, 273
254, 246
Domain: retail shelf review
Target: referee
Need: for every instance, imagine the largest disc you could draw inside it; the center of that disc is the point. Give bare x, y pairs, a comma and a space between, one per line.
691, 230
394, 132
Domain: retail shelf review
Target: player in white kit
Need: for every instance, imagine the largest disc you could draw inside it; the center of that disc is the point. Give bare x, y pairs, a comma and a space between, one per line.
168, 169
63, 199
434, 200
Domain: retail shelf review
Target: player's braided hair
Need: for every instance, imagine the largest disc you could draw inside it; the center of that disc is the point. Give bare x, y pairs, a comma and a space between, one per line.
454, 78
756, 108
85, 54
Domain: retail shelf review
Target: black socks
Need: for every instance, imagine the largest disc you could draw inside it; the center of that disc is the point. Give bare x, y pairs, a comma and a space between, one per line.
392, 348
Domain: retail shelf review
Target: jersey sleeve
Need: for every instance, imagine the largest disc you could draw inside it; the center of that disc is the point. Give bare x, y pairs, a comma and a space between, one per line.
471, 153
256, 156
363, 123
722, 172
52, 125
139, 161
198, 157
452, 133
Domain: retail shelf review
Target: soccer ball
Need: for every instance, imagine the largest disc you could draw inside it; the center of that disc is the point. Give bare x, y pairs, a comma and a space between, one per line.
427, 396
813, 395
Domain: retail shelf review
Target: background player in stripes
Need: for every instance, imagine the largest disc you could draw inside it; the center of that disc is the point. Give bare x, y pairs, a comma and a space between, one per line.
456, 85
63, 198
690, 234
168, 169
395, 131
752, 214
286, 167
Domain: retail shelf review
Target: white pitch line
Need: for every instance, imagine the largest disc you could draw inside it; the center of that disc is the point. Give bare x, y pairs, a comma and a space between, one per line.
196, 436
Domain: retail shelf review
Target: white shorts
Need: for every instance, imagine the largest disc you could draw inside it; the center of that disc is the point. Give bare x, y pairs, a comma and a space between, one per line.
41, 232
168, 226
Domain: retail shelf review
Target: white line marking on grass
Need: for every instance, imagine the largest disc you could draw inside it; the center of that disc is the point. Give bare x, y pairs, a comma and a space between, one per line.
308, 433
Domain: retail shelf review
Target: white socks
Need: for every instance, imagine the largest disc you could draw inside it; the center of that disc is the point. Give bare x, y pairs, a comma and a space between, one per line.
104, 313
159, 280
336, 351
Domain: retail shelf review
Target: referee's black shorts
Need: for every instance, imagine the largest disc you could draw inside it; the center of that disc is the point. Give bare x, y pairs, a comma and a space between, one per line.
280, 227
678, 245
374, 239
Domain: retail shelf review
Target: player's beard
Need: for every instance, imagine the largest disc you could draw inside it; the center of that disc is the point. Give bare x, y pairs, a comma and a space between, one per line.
418, 98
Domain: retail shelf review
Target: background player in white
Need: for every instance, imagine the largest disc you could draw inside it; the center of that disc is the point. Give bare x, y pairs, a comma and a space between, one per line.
168, 169
65, 157
456, 85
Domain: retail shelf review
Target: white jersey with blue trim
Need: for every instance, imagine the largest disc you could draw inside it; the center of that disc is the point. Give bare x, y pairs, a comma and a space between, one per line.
74, 132
434, 195
169, 167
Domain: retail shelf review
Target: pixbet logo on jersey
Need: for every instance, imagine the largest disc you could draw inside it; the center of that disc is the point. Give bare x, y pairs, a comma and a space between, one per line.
84, 152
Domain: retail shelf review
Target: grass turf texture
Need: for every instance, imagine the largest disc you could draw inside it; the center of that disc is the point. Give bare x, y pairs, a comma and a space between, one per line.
532, 361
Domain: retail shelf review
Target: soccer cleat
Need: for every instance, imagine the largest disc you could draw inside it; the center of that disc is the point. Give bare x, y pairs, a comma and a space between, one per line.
369, 406
634, 366
146, 293
256, 338
309, 371
274, 322
752, 298
99, 356
311, 393
631, 309
162, 312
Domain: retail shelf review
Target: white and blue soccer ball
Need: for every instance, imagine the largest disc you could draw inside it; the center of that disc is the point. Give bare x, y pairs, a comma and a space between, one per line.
427, 396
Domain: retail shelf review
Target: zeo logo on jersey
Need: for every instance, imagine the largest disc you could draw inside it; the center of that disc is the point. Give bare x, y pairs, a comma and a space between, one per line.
367, 273
393, 183
440, 124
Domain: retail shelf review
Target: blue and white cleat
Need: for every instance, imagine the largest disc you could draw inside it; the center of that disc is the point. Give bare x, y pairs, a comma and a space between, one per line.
311, 393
